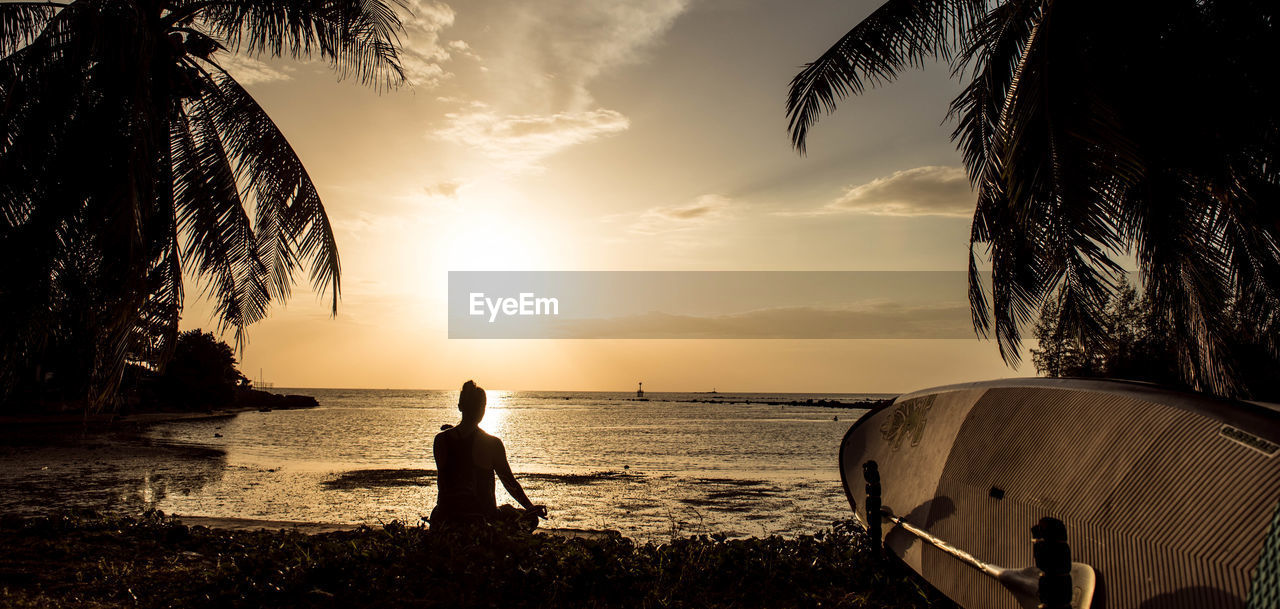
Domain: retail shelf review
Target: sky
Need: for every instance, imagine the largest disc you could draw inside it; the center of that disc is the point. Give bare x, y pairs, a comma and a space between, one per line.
571, 135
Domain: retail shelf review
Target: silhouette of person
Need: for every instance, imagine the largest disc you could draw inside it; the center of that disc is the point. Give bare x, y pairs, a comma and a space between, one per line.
467, 459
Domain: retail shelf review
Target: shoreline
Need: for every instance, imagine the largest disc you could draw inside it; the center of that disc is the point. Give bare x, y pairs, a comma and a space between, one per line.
258, 401
866, 404
106, 420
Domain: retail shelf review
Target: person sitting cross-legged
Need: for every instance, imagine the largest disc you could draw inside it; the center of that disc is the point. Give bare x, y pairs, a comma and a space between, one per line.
467, 459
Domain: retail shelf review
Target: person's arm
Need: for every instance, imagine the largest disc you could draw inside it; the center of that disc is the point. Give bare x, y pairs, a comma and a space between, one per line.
439, 453
509, 482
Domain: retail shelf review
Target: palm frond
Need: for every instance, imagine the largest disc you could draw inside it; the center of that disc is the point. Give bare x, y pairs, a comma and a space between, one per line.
1046, 211
42, 83
22, 23
220, 244
318, 244
899, 34
66, 102
289, 209
995, 48
1074, 133
1251, 244
156, 331
358, 38
154, 334
1183, 268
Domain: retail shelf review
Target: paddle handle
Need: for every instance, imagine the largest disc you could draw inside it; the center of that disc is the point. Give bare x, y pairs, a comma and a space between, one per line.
1053, 558
1034, 587
871, 474
965, 557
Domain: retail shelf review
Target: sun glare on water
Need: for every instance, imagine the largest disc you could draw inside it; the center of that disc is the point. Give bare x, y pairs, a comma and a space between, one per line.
495, 416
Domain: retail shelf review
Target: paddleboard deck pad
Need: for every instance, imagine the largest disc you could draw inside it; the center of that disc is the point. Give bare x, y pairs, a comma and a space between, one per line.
1170, 497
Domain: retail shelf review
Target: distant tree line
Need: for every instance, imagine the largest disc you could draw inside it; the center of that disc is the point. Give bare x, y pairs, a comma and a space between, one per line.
1137, 343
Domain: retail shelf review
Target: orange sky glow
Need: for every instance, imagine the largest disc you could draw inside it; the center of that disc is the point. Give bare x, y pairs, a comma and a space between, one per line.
594, 135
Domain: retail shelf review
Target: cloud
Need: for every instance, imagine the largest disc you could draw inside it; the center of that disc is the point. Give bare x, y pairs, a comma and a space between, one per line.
520, 141
460, 47
248, 70
574, 41
539, 58
423, 72
447, 188
699, 212
428, 16
922, 191
422, 52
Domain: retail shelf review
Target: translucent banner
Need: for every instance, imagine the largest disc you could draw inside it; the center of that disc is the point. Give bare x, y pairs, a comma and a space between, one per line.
709, 304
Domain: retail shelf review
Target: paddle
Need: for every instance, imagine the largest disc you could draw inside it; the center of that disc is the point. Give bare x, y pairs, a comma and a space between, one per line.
1023, 583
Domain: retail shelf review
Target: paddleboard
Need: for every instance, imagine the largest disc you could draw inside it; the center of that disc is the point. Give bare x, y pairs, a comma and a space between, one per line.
1169, 497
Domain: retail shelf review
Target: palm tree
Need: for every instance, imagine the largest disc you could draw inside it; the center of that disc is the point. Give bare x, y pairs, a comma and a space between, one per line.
129, 154
1092, 131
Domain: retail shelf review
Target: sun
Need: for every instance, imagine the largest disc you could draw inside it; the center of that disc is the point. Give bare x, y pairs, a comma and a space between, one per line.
490, 242
484, 227
494, 227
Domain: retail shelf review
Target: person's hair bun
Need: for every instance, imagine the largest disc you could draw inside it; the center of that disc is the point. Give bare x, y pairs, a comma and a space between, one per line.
471, 396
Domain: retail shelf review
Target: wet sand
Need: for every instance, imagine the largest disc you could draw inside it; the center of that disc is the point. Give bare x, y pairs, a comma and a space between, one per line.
109, 422
123, 473
650, 471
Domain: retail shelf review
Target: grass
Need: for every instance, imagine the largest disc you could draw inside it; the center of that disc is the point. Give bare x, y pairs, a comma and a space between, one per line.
88, 560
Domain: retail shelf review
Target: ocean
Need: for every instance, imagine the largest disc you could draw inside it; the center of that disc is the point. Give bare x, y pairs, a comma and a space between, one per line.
676, 464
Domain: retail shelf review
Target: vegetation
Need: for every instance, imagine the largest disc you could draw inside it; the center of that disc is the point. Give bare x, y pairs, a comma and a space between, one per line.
202, 374
154, 561
130, 155
1135, 344
1093, 130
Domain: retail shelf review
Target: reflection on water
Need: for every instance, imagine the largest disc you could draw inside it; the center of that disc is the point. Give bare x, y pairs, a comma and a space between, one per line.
116, 473
497, 412
596, 460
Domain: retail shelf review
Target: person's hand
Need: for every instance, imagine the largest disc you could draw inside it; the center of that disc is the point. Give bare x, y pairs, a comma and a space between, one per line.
539, 510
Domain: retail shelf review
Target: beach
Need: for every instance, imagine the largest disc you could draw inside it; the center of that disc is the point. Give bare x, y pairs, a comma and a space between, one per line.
294, 509
740, 465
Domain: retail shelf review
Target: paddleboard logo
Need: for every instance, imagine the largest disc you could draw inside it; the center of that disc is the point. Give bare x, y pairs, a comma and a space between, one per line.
907, 421
1241, 436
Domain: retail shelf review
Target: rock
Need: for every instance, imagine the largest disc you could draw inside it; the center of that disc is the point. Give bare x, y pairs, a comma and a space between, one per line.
265, 401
